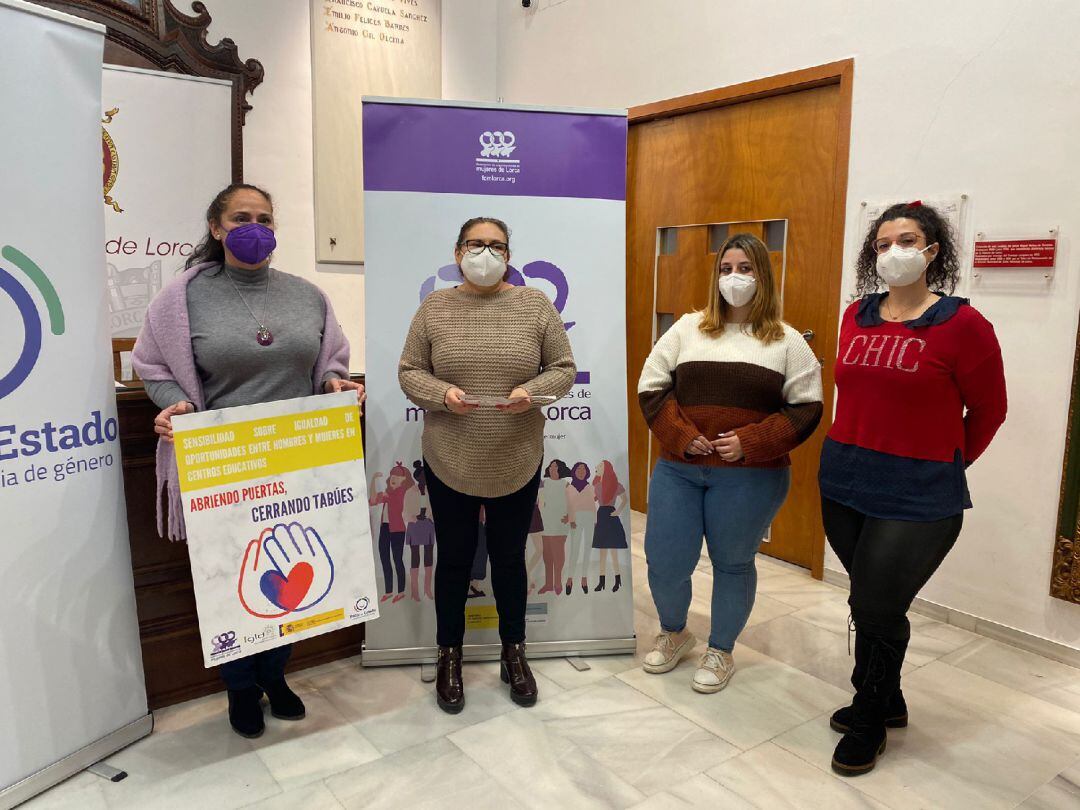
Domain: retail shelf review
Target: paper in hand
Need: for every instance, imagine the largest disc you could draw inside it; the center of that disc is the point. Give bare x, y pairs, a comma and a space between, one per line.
491, 402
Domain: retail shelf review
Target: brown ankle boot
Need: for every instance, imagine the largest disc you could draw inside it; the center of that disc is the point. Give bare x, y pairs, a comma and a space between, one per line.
516, 672
449, 689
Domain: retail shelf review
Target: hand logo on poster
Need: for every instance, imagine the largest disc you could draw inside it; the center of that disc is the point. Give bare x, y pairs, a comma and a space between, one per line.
286, 570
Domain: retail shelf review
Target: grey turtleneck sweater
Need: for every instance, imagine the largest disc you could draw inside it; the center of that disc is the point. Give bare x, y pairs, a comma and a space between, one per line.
233, 368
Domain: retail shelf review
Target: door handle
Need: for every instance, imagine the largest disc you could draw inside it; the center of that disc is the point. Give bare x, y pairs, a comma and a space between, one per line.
808, 335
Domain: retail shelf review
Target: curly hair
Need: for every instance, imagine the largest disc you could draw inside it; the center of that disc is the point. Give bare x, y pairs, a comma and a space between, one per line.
943, 271
561, 470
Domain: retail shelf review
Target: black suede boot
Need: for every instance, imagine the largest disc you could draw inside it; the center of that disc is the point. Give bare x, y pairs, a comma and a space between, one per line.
285, 704
896, 714
859, 748
245, 712
600, 585
618, 583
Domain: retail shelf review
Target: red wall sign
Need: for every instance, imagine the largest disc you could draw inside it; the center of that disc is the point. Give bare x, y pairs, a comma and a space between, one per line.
1009, 253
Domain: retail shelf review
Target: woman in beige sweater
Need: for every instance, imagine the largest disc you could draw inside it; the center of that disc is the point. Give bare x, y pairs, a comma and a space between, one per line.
484, 339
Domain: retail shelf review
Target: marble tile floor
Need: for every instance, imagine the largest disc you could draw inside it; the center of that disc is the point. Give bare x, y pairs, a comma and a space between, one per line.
992, 726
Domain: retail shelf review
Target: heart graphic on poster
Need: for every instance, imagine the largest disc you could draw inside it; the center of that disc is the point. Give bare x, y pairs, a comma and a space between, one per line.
288, 592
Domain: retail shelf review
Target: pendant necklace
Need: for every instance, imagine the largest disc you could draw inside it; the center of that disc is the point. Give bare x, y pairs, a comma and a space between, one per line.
263, 336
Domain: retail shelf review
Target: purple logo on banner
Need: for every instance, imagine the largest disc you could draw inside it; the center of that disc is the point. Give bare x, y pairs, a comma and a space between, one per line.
545, 271
223, 642
411, 147
542, 270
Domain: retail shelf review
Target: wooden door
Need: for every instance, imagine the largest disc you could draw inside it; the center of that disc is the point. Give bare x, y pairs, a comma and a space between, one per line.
742, 159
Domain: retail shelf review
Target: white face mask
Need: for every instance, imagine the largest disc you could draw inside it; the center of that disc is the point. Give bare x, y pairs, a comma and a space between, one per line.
738, 288
900, 267
484, 270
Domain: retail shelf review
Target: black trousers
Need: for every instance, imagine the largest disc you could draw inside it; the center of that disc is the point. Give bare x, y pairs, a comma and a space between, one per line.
457, 524
888, 562
261, 668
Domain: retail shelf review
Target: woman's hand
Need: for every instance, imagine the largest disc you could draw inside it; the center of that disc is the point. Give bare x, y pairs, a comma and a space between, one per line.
523, 404
699, 447
333, 386
455, 403
163, 421
729, 447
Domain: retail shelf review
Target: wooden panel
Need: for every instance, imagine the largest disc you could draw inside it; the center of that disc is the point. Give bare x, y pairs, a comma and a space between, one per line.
678, 275
793, 82
164, 594
782, 154
753, 228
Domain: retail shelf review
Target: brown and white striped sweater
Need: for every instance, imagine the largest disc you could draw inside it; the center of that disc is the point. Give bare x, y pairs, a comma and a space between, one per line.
695, 384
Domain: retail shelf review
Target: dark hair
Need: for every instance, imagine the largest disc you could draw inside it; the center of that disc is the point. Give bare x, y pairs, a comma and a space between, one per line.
579, 485
498, 223
561, 470
943, 271
210, 249
418, 474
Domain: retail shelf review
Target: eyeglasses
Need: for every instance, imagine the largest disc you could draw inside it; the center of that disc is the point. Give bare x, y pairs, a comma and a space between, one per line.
476, 247
904, 240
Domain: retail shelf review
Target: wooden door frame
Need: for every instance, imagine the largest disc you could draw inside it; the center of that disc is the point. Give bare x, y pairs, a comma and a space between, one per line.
840, 73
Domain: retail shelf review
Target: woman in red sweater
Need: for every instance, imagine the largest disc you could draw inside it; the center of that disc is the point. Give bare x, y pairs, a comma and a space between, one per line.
920, 394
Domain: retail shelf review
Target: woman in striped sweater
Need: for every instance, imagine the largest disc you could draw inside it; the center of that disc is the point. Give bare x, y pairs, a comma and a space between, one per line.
727, 393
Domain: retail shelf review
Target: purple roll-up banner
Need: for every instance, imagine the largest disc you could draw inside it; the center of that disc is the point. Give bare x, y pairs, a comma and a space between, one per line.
477, 150
557, 177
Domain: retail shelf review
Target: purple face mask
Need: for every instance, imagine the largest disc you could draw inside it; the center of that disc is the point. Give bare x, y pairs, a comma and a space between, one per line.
251, 243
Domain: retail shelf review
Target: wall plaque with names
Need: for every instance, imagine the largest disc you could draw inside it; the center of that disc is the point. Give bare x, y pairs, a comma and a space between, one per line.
1006, 254
361, 48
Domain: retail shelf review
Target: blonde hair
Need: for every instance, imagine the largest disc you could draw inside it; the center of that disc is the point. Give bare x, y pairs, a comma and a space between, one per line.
764, 320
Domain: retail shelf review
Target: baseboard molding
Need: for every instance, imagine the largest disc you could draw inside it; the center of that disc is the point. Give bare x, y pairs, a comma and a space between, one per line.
984, 627
72, 764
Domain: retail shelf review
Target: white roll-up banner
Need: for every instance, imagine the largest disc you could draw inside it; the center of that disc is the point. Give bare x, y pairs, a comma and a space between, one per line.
166, 151
558, 178
71, 679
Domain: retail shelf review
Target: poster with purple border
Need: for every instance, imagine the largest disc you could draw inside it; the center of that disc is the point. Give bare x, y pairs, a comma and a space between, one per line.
558, 178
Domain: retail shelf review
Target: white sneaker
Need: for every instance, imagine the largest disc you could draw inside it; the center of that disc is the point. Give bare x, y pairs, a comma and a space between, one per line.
666, 655
714, 671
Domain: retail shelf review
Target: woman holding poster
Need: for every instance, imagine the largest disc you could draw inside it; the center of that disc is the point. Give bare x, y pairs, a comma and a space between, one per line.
728, 393
232, 331
483, 341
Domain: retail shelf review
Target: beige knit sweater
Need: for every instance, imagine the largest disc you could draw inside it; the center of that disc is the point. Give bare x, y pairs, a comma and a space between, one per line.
486, 346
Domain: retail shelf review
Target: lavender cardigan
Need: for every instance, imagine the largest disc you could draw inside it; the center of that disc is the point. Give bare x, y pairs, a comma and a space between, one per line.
163, 352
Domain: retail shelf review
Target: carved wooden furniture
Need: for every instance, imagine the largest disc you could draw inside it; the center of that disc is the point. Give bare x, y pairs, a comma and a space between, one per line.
156, 35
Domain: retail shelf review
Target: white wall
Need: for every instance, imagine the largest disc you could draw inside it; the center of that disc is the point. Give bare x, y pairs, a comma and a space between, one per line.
278, 133
469, 49
975, 96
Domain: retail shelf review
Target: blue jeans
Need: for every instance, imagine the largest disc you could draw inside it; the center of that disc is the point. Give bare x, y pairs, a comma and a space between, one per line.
732, 507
